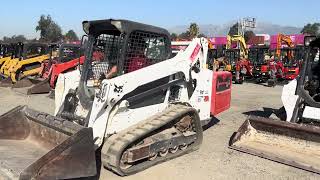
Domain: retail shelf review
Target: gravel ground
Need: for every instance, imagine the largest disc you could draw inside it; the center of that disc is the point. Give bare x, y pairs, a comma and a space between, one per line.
213, 160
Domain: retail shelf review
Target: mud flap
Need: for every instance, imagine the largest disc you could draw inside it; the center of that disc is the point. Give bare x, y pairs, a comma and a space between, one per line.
292, 144
35, 145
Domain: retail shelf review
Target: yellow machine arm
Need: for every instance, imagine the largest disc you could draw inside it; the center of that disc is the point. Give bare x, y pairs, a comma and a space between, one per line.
3, 60
243, 46
286, 39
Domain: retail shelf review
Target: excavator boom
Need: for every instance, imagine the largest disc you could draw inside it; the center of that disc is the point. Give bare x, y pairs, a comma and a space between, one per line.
240, 39
281, 38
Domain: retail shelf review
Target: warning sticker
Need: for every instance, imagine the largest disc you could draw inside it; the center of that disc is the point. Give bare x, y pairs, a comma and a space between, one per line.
195, 52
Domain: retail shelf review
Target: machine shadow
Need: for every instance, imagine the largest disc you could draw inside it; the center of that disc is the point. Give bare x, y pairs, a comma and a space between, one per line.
213, 121
267, 112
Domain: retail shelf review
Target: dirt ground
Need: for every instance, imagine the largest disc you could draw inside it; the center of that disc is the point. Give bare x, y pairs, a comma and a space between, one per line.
213, 160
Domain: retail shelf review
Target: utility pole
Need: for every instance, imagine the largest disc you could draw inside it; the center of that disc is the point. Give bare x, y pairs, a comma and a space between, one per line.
247, 22
243, 23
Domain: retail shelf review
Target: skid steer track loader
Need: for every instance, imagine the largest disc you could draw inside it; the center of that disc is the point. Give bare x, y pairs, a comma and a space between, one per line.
26, 62
296, 141
129, 100
67, 58
7, 53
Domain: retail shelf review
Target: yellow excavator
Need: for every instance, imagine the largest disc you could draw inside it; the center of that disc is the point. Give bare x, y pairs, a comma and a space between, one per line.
237, 59
26, 61
234, 53
242, 43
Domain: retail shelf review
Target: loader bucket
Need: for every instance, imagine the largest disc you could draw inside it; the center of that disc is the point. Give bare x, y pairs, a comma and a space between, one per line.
25, 82
35, 145
40, 88
292, 144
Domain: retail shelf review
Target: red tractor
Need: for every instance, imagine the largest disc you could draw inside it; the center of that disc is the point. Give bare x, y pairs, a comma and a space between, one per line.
276, 71
243, 70
260, 69
293, 65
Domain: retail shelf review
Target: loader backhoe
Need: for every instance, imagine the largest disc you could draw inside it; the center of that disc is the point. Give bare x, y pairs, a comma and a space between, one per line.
295, 141
149, 111
26, 62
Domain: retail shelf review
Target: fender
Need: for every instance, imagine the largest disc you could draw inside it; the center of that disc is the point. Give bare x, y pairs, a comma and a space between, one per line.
62, 67
65, 82
289, 98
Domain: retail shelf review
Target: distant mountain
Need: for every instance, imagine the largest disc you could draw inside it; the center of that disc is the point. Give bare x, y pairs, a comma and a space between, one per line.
222, 30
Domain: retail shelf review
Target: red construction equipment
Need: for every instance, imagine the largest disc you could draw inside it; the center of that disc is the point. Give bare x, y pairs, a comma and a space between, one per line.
292, 66
68, 59
276, 66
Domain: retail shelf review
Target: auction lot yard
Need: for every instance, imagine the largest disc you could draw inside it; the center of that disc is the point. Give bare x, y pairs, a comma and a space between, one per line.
213, 160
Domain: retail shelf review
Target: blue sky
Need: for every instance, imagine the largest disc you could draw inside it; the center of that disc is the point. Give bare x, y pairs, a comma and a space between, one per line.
21, 16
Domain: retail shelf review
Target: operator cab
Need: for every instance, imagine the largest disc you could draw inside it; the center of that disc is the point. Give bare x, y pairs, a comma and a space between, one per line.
5, 50
308, 86
122, 46
30, 50
68, 52
232, 55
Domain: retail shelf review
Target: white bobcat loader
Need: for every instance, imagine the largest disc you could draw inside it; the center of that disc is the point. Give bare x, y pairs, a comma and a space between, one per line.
151, 109
296, 140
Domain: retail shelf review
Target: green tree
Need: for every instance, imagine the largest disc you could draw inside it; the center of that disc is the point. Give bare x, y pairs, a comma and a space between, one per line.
173, 36
202, 35
193, 30
50, 31
14, 39
71, 36
311, 29
248, 35
184, 35
233, 29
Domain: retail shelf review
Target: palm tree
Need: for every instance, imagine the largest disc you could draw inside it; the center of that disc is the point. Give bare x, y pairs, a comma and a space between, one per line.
193, 30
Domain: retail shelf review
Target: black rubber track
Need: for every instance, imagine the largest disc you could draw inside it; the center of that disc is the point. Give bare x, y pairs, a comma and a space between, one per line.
115, 145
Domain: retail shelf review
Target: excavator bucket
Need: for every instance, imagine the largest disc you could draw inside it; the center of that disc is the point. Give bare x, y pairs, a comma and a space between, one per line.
292, 144
35, 145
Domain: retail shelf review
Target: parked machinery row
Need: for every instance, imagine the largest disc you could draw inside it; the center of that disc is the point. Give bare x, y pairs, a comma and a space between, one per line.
25, 64
259, 63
